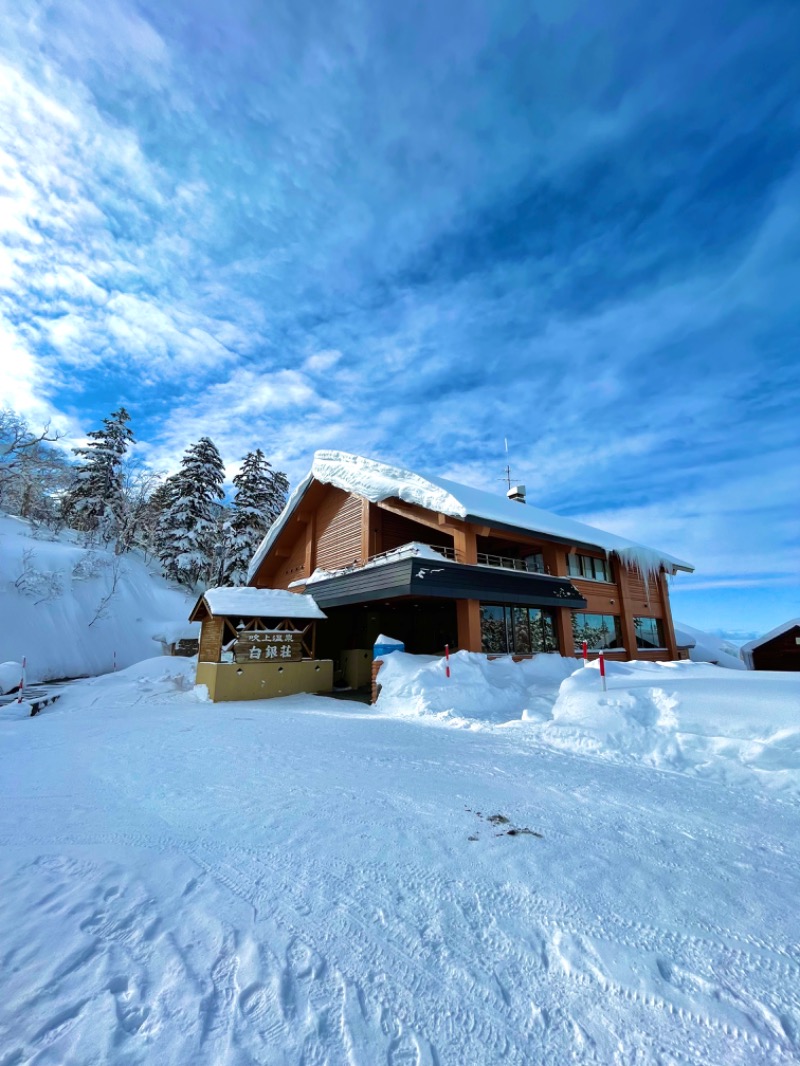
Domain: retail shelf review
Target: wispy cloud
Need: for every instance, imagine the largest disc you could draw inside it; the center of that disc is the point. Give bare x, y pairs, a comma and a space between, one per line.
414, 232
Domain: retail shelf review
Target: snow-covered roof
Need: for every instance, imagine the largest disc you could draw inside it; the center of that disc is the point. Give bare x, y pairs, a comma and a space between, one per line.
173, 631
378, 481
261, 603
412, 550
684, 639
748, 649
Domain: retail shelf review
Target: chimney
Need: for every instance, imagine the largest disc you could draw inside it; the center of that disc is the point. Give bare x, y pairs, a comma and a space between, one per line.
517, 492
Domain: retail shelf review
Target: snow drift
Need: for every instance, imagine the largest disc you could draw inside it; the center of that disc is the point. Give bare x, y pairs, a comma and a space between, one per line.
679, 716
479, 689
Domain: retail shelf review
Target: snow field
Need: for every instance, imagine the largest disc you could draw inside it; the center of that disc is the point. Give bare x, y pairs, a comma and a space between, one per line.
309, 881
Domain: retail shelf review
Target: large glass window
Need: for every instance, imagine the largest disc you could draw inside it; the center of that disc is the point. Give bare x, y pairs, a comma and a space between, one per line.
544, 636
600, 631
493, 629
517, 630
521, 633
589, 568
649, 633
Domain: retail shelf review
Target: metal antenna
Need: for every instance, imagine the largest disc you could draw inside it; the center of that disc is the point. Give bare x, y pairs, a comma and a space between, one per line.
507, 476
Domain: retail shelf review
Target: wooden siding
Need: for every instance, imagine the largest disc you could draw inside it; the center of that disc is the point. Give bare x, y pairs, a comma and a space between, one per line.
339, 521
645, 598
780, 653
293, 568
602, 597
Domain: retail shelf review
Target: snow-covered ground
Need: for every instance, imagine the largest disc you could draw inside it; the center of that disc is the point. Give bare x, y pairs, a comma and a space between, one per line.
310, 881
69, 609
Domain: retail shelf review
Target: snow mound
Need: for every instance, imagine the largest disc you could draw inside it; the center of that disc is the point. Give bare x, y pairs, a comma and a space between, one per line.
479, 690
684, 716
10, 674
678, 716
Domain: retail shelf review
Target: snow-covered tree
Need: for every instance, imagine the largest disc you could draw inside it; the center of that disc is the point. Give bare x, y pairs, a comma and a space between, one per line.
32, 473
96, 501
260, 497
188, 530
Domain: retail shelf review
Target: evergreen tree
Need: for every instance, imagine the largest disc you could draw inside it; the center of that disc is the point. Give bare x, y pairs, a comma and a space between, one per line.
188, 531
96, 500
260, 497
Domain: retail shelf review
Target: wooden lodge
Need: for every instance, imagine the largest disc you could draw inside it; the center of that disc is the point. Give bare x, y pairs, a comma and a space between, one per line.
258, 643
434, 563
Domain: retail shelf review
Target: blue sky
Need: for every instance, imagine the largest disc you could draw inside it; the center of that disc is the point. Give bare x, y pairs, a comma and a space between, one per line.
410, 231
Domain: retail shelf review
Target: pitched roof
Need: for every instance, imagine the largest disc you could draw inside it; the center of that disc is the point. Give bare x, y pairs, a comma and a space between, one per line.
748, 649
249, 602
378, 481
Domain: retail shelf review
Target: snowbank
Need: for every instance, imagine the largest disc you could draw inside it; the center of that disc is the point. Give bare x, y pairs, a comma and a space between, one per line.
69, 609
478, 689
684, 716
678, 716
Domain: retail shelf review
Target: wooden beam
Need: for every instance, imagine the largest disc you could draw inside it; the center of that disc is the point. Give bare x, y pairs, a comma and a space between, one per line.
466, 546
424, 518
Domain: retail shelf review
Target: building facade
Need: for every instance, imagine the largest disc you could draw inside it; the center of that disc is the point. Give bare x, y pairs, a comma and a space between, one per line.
433, 563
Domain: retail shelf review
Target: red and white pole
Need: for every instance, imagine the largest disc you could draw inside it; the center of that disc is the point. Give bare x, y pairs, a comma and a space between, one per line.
22, 679
585, 653
447, 660
115, 660
603, 670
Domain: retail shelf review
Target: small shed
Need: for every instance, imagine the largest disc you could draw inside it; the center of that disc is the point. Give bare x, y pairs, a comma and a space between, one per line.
259, 643
777, 650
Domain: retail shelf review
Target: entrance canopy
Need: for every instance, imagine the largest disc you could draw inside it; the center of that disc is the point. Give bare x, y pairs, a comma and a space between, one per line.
442, 579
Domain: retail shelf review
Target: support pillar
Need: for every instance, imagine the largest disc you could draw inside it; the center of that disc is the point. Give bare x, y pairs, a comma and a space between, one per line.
468, 618
666, 617
465, 543
555, 562
626, 611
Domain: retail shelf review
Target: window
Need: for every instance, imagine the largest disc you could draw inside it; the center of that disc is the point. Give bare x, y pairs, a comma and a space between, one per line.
589, 568
517, 630
600, 631
649, 633
493, 629
535, 563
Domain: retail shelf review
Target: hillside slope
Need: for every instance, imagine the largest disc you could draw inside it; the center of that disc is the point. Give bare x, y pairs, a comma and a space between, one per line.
69, 609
